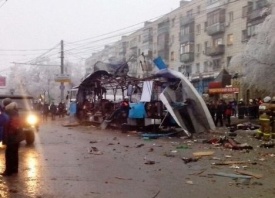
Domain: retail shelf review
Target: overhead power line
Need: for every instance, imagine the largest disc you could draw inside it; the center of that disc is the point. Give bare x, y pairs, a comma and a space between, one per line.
43, 53
3, 3
34, 64
84, 47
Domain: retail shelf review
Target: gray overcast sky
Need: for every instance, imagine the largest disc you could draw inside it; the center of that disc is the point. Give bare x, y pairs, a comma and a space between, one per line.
41, 24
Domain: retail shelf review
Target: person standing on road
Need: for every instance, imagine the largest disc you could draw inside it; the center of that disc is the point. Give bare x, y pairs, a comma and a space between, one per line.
61, 109
211, 108
219, 113
11, 134
53, 110
228, 114
45, 111
73, 111
3, 120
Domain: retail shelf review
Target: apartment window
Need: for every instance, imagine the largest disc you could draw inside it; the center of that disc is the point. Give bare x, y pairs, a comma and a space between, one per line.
173, 22
253, 29
172, 55
205, 66
185, 31
205, 26
244, 11
228, 60
244, 36
186, 48
185, 69
216, 64
188, 70
198, 9
180, 68
217, 41
172, 38
199, 29
197, 68
230, 39
189, 13
215, 17
198, 48
230, 16
205, 45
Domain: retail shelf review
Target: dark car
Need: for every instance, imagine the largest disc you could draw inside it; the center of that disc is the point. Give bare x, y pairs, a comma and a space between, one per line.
29, 116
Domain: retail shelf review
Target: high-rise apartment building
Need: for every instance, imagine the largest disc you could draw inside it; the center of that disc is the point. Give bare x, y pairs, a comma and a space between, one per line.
199, 38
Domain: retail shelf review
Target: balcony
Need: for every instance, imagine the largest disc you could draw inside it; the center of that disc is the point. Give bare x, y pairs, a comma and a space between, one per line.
256, 14
122, 51
187, 38
187, 57
187, 20
215, 29
163, 30
211, 5
147, 39
215, 50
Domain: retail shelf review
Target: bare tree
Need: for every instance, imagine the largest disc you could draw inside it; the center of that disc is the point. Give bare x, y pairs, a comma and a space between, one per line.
257, 62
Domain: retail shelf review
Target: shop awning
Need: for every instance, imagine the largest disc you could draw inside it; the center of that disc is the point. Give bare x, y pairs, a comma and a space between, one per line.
223, 90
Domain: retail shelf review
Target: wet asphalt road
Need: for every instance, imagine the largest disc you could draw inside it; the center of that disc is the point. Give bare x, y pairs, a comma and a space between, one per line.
84, 162
87, 162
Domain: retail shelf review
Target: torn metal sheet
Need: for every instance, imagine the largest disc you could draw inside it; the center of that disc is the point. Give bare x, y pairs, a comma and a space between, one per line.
186, 105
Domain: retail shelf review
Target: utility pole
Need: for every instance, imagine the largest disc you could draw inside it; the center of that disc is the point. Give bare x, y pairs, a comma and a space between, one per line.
62, 87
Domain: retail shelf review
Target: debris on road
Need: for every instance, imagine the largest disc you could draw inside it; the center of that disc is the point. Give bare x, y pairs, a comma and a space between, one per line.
241, 179
244, 172
150, 162
123, 178
228, 143
267, 145
233, 162
95, 151
140, 145
169, 155
189, 182
182, 147
189, 159
203, 153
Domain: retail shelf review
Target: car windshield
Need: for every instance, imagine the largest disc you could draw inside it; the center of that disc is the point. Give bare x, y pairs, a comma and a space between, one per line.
24, 103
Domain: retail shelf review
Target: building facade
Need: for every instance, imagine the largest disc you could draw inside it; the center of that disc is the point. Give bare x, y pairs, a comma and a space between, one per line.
199, 38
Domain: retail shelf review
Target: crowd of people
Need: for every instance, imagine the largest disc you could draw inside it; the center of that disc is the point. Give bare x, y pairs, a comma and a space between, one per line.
222, 111
51, 110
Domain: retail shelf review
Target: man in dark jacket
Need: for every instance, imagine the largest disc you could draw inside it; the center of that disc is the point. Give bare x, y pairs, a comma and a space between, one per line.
11, 130
53, 110
219, 113
3, 120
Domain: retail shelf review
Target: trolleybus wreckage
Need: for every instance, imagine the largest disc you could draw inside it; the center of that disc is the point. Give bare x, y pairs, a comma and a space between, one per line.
165, 102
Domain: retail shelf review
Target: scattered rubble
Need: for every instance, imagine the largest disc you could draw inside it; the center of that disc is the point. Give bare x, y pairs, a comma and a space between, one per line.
150, 162
203, 153
228, 143
95, 151
189, 159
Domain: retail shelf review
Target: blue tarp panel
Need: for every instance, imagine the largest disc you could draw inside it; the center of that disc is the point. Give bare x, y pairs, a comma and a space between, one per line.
159, 63
137, 110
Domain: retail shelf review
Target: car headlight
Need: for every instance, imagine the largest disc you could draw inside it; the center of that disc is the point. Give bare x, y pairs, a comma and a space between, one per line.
32, 119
